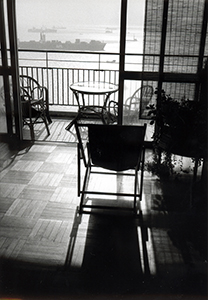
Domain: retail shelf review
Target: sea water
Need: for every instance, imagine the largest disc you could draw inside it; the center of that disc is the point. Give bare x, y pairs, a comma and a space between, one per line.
108, 60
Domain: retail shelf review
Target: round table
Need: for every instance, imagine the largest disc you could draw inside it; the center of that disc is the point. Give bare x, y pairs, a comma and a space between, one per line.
93, 88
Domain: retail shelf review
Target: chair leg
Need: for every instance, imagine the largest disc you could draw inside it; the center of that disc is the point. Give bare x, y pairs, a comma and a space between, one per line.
78, 170
142, 173
86, 177
80, 142
141, 181
32, 133
44, 118
48, 117
135, 190
195, 170
31, 126
46, 125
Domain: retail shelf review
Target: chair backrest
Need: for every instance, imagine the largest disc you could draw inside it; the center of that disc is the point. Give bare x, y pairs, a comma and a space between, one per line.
116, 147
147, 92
31, 87
135, 105
144, 93
28, 83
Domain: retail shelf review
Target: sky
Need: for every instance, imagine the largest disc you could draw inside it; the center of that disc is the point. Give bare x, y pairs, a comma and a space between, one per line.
49, 13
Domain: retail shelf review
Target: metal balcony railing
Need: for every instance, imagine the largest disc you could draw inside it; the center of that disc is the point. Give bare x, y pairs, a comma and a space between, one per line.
57, 70
58, 81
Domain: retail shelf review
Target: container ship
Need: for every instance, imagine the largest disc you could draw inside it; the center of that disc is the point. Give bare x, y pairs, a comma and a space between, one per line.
92, 45
42, 29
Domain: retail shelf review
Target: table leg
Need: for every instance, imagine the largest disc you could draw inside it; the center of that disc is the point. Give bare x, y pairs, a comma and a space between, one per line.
77, 98
107, 116
69, 126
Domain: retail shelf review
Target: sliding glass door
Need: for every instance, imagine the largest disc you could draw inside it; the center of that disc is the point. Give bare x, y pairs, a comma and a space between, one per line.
9, 83
171, 52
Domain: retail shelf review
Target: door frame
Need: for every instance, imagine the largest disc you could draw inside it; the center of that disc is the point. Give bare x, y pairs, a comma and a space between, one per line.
10, 68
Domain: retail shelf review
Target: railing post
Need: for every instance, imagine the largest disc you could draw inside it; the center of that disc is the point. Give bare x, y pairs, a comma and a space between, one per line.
47, 75
99, 61
47, 59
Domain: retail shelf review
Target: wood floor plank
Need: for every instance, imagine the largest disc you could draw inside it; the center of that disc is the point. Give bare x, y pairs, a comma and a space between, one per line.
64, 194
53, 167
5, 204
46, 179
17, 177
58, 211
27, 165
40, 227
43, 193
11, 190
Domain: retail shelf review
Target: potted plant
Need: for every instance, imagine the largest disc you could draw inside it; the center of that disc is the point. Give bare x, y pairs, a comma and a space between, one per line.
180, 128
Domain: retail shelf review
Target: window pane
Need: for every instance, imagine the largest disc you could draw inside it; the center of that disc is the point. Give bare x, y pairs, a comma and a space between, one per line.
135, 34
137, 96
82, 25
183, 35
153, 33
3, 125
184, 23
134, 108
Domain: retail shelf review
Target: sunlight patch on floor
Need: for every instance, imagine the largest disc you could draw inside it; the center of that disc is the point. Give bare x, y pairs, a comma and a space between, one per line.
150, 263
78, 239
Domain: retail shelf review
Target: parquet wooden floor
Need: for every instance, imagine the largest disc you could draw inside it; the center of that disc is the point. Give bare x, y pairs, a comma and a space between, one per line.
59, 134
49, 251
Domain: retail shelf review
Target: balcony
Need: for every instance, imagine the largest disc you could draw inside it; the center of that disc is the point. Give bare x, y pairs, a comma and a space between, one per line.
57, 70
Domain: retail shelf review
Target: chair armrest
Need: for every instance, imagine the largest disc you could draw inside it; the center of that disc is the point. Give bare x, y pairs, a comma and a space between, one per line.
113, 105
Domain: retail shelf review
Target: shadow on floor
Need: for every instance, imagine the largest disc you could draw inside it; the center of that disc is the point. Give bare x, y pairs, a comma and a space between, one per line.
111, 264
186, 204
110, 267
10, 148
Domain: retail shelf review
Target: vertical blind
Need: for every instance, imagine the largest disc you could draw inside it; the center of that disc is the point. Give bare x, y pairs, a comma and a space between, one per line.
182, 42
